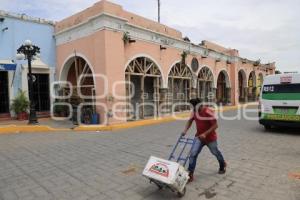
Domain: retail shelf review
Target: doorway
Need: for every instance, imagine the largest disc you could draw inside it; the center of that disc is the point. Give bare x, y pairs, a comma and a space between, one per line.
4, 94
41, 92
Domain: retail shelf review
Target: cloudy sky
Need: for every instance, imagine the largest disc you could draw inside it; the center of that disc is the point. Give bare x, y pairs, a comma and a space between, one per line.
265, 29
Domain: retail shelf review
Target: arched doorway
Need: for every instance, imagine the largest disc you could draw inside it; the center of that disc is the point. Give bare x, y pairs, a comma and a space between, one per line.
180, 84
252, 87
260, 81
242, 80
205, 84
223, 88
79, 74
143, 79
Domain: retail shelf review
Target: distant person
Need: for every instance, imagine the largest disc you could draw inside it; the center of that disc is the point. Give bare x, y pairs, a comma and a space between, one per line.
206, 124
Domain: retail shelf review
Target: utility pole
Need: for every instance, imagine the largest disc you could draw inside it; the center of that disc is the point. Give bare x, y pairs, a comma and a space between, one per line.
158, 1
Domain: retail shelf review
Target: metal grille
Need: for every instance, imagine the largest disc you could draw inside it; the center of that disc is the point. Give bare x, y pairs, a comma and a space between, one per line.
4, 98
41, 92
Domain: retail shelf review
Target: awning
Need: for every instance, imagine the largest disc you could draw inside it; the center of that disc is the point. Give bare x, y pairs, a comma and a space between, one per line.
7, 65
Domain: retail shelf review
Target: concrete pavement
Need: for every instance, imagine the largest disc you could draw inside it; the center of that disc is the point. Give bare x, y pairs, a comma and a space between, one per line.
90, 165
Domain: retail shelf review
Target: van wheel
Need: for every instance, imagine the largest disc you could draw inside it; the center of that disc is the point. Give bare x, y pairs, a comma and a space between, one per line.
267, 127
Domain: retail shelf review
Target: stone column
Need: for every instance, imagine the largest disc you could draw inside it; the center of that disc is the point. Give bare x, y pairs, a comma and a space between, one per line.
164, 100
255, 94
193, 93
228, 95
214, 96
246, 94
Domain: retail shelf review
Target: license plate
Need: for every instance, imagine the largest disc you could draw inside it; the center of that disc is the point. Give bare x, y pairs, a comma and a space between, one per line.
284, 110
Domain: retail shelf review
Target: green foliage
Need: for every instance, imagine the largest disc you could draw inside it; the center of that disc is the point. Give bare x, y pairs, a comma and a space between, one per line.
20, 103
126, 37
186, 39
183, 57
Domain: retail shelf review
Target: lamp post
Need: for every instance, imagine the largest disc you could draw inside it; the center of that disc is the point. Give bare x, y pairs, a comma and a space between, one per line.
27, 52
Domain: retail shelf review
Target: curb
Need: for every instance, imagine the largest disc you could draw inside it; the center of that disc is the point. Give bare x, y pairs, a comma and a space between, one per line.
42, 128
128, 125
28, 128
149, 121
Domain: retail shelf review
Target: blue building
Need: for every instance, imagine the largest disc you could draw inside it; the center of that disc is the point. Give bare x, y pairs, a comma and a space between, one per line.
14, 30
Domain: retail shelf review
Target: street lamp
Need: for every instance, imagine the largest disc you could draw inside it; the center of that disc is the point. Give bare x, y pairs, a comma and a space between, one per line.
27, 52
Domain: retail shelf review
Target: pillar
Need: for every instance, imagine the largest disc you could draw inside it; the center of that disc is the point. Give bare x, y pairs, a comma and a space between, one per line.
165, 103
214, 95
228, 96
193, 93
245, 94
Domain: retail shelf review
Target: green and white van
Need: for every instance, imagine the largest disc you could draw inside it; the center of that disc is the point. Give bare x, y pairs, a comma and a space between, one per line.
279, 104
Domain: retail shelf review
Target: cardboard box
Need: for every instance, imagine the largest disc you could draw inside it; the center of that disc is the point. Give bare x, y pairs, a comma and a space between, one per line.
166, 172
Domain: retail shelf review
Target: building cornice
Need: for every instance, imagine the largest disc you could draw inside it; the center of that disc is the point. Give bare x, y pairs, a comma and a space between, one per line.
107, 21
25, 17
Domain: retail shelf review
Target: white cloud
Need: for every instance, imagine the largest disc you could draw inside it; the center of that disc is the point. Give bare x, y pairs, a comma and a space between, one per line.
265, 29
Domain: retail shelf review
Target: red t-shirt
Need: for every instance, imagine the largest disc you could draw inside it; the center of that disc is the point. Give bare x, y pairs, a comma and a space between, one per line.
205, 119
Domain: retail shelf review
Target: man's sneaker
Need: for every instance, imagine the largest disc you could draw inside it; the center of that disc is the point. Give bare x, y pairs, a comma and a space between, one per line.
223, 171
191, 177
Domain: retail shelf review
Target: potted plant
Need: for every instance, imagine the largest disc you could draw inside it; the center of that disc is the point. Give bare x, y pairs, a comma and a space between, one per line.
127, 39
60, 109
256, 63
186, 39
20, 105
183, 58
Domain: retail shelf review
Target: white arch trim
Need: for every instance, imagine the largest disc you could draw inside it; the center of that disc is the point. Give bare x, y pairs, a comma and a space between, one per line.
172, 65
198, 72
65, 69
151, 58
227, 78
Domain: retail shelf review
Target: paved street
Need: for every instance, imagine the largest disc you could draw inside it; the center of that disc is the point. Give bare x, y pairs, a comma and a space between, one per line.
108, 165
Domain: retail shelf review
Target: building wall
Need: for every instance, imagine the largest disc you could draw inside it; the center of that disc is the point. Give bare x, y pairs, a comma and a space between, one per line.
97, 34
19, 30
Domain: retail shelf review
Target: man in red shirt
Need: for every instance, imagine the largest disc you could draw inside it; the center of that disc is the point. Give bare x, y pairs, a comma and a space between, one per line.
206, 124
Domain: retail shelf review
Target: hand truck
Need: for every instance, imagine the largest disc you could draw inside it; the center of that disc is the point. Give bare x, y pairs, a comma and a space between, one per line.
171, 173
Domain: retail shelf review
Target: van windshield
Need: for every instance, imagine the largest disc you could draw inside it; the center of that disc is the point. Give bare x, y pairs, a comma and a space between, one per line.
281, 92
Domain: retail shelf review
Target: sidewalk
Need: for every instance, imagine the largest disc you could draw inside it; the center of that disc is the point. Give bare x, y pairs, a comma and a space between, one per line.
50, 125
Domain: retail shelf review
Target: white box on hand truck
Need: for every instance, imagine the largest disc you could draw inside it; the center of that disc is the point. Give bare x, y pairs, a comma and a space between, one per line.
167, 172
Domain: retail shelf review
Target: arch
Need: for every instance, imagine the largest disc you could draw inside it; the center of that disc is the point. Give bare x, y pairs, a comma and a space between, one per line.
252, 86
260, 81
252, 80
180, 83
143, 81
205, 84
244, 77
223, 94
67, 64
77, 68
227, 78
195, 64
164, 82
242, 85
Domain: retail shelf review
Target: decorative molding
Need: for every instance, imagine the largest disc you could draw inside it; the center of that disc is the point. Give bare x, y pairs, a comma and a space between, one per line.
106, 21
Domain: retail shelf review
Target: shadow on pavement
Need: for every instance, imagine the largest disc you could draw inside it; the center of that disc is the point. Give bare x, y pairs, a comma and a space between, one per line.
279, 130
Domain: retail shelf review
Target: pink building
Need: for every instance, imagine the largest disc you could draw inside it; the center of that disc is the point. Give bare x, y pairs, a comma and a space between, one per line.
141, 68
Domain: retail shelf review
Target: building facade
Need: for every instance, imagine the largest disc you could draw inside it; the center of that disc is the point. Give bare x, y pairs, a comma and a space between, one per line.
142, 67
14, 30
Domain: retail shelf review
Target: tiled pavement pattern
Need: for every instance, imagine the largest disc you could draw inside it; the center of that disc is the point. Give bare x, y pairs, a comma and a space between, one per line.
97, 166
